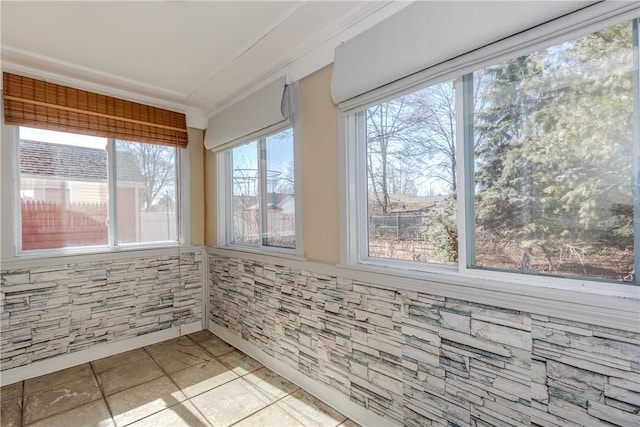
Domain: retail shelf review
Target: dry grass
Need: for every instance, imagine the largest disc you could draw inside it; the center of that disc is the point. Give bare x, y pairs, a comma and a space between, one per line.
607, 264
409, 250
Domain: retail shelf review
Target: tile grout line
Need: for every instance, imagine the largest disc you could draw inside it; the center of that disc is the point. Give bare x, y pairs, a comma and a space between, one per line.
262, 392
278, 400
176, 384
22, 403
267, 406
187, 398
133, 386
171, 379
227, 382
66, 410
302, 421
238, 377
104, 397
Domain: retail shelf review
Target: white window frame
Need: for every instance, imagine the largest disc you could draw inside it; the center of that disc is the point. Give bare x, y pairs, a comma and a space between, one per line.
353, 191
12, 222
224, 200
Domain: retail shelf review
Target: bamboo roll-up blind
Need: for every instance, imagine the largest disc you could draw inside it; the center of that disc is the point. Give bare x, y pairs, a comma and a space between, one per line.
40, 104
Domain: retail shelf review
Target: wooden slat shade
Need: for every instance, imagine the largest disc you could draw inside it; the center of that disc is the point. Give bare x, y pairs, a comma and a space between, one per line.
40, 104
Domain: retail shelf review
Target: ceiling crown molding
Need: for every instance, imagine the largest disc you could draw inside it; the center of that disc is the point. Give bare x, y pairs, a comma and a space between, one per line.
71, 77
243, 72
317, 52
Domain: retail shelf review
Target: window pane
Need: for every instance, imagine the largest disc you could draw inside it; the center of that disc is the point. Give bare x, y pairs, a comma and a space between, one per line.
553, 159
146, 201
63, 190
280, 224
411, 177
244, 194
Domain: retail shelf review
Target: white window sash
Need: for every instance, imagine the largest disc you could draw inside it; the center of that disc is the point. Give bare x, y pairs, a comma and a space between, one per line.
224, 182
112, 185
14, 219
225, 226
353, 202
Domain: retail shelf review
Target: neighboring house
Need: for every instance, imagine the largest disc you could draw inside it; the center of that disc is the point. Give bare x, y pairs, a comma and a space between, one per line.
281, 210
71, 183
280, 215
286, 203
70, 174
62, 173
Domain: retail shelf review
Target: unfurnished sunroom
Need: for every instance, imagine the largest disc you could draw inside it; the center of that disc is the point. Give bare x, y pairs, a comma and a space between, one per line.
320, 213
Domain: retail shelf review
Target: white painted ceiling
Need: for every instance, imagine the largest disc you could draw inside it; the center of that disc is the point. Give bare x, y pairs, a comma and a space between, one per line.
192, 56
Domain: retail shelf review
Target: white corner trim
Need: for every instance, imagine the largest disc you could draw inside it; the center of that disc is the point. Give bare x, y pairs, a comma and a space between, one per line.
328, 395
8, 164
183, 166
204, 270
47, 366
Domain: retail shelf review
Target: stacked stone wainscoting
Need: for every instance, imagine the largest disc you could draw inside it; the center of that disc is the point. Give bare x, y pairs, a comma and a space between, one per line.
418, 360
55, 310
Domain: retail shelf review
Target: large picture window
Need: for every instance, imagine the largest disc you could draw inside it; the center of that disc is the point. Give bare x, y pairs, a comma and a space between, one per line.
261, 184
553, 156
523, 166
82, 191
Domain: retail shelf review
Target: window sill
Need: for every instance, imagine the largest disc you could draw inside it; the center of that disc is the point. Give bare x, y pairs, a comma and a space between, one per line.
508, 281
262, 255
57, 257
503, 281
583, 301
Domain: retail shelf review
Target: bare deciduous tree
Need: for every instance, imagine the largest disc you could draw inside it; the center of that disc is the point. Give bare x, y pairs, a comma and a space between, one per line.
158, 168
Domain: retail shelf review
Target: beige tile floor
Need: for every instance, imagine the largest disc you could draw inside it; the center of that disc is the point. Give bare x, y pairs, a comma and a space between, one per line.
197, 380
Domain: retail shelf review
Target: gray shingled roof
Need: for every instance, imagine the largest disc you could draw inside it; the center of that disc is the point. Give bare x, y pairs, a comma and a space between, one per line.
71, 162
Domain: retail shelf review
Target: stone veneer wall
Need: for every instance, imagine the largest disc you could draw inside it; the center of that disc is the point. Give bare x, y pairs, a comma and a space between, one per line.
54, 310
418, 359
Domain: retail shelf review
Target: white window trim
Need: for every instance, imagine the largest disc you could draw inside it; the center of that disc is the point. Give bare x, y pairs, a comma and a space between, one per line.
183, 174
113, 189
10, 214
353, 215
224, 197
294, 105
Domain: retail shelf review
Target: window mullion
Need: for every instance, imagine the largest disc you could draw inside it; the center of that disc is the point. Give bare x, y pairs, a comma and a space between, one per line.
354, 188
466, 194
225, 198
262, 190
183, 199
362, 212
461, 185
113, 192
636, 148
17, 214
